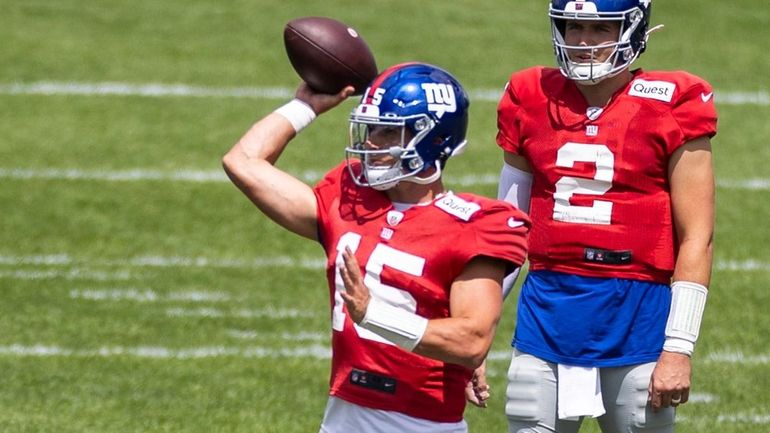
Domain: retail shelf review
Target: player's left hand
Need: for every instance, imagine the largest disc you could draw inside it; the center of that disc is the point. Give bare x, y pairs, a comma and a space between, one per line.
477, 390
356, 294
670, 381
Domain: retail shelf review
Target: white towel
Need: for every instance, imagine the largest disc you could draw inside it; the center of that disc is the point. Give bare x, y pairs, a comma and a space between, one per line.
579, 392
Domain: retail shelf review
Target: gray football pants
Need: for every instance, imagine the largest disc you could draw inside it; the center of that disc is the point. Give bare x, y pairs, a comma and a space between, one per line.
531, 399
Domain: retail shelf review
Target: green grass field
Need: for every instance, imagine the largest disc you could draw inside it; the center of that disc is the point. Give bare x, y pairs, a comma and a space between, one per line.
140, 292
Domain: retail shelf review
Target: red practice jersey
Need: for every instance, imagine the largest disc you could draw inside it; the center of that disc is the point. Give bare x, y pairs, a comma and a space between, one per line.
409, 259
600, 203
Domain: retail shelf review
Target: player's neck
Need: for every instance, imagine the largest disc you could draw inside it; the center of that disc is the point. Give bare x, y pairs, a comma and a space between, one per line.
415, 193
599, 94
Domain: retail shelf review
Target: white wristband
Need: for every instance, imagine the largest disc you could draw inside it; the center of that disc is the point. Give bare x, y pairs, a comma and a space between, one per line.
298, 113
688, 300
678, 345
395, 324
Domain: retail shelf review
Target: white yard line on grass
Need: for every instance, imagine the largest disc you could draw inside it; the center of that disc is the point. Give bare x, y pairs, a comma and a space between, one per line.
163, 262
268, 312
161, 90
64, 260
726, 418
702, 397
736, 357
156, 90
315, 351
741, 265
147, 295
318, 337
744, 418
217, 176
65, 274
155, 352
133, 175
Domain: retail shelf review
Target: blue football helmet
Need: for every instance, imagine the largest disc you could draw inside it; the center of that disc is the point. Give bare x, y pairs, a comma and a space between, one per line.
425, 109
634, 18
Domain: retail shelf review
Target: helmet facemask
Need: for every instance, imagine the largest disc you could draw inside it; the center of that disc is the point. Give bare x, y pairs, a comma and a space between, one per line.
385, 164
625, 50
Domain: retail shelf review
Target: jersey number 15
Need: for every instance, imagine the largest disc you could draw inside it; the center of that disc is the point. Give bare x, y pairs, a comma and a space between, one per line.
381, 256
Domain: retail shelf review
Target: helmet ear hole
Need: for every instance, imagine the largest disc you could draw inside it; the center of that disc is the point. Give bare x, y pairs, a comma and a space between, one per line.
446, 152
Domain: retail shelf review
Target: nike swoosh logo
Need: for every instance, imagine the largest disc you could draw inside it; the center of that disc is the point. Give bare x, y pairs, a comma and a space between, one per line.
512, 223
706, 96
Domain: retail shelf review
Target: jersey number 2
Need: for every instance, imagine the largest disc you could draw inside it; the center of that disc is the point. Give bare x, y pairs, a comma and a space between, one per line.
381, 256
601, 211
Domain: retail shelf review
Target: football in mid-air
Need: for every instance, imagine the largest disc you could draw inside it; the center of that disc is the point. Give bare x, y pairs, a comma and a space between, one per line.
329, 55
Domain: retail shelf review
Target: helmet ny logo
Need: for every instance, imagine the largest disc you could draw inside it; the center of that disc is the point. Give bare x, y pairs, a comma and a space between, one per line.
441, 98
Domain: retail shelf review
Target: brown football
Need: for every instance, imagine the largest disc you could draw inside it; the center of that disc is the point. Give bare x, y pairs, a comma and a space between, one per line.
329, 55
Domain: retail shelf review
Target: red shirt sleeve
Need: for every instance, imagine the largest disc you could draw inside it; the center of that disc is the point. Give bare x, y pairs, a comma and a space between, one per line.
694, 113
500, 231
508, 122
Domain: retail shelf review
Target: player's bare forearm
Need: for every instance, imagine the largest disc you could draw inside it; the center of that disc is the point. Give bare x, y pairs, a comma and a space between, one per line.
691, 176
475, 305
465, 337
694, 261
265, 140
283, 198
460, 340
249, 164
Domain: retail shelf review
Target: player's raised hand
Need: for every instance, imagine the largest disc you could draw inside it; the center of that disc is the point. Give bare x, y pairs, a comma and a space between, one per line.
356, 294
321, 102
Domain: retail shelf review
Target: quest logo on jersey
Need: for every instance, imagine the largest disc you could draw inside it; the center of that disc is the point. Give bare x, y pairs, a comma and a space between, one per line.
458, 207
660, 90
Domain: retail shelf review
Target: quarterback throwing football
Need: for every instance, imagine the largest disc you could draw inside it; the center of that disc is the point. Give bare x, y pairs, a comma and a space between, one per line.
615, 168
414, 271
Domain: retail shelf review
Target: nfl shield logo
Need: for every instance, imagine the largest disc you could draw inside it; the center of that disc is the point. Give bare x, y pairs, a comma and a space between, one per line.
394, 217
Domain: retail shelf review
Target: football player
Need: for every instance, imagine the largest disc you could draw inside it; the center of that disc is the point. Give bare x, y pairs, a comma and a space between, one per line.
414, 270
614, 166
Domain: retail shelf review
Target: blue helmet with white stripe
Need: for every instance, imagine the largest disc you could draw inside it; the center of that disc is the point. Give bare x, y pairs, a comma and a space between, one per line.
634, 19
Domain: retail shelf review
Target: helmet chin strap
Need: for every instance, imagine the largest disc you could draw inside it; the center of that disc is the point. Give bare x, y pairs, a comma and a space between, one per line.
425, 180
383, 178
590, 70
654, 29
375, 175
